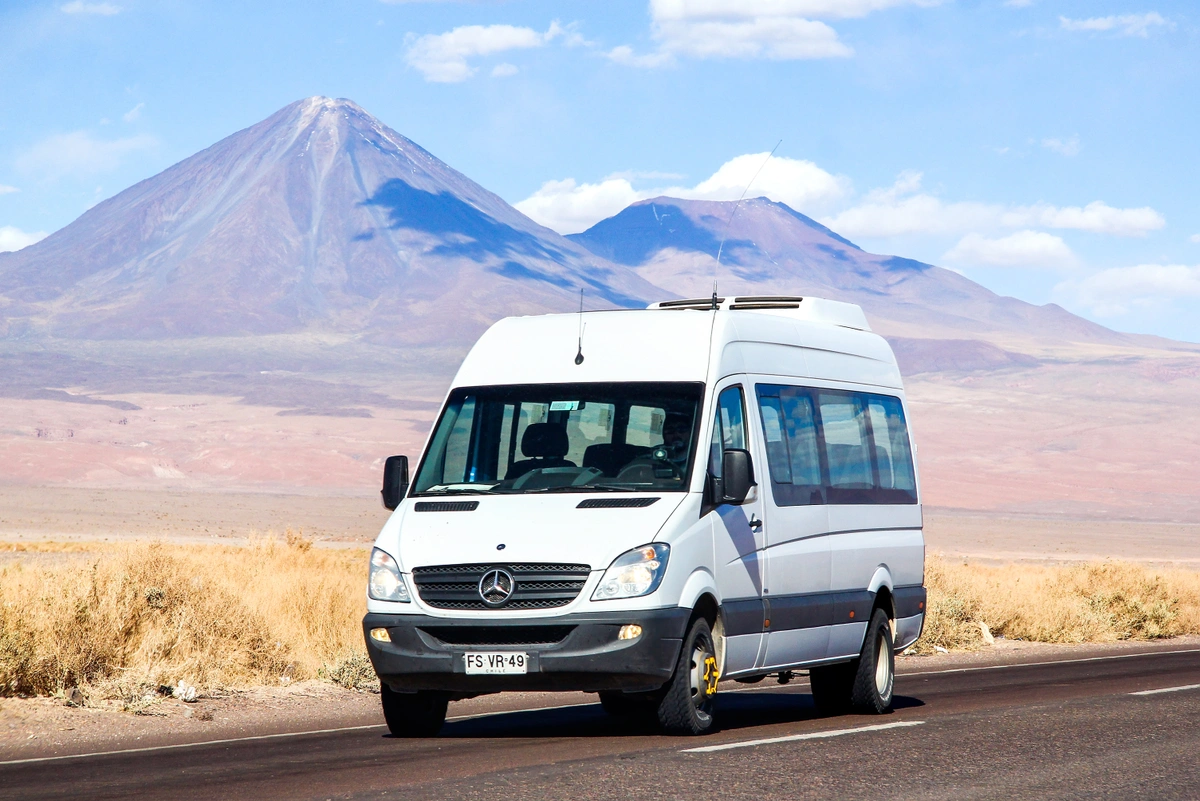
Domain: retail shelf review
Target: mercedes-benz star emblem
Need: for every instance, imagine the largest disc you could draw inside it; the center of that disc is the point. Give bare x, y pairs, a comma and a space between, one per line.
496, 587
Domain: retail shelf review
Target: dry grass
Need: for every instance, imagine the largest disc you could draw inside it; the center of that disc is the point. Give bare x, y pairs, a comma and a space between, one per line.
130, 618
1093, 602
125, 622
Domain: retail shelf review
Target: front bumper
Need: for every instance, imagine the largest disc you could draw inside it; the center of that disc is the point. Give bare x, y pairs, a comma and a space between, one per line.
571, 652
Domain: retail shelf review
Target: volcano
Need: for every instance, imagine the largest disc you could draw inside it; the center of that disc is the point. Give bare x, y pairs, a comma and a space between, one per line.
319, 218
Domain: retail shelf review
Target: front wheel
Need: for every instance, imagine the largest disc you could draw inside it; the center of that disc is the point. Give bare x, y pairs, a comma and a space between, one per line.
686, 705
419, 714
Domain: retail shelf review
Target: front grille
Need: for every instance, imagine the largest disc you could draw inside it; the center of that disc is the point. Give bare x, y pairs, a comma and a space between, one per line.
535, 586
499, 635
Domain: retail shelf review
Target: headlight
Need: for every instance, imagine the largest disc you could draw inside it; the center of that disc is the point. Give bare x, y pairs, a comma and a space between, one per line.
634, 573
385, 582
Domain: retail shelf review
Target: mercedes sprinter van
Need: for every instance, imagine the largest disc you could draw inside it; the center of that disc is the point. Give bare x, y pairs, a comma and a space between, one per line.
641, 503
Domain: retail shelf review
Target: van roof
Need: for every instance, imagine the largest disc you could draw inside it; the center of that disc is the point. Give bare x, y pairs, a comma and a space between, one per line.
685, 340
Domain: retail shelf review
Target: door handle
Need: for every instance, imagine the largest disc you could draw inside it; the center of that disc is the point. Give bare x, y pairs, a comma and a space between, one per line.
755, 524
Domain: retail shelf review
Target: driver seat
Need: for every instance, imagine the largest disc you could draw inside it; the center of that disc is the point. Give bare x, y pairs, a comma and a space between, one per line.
547, 444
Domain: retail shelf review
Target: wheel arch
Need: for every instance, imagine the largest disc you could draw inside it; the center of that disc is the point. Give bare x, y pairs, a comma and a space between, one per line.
881, 588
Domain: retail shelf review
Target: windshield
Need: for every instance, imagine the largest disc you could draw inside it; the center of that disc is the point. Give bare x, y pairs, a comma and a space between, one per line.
629, 437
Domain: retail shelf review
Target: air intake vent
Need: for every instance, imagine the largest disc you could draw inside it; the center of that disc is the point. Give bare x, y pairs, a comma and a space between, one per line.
765, 302
691, 303
499, 635
446, 506
535, 586
615, 503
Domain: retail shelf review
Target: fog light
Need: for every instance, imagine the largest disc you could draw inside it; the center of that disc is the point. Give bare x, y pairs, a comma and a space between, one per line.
630, 632
381, 635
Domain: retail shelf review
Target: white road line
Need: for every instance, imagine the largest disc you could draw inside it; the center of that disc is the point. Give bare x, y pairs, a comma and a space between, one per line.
903, 674
272, 736
1169, 690
815, 735
187, 745
1043, 664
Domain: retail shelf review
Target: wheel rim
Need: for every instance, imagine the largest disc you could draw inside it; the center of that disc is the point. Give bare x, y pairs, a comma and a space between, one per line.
704, 675
883, 669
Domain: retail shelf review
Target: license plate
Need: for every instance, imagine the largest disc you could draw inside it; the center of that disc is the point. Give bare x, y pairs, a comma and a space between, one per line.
501, 662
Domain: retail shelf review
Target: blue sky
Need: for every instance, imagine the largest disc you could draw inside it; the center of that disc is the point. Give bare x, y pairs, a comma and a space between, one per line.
1046, 149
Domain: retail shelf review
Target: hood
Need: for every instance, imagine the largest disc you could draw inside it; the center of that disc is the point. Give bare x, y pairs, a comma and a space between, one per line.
532, 528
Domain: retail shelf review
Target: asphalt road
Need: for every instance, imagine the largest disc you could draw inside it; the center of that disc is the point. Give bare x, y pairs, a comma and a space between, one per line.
1081, 728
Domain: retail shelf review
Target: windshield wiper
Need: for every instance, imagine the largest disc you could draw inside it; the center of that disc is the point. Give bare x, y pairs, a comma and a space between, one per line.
587, 488
449, 490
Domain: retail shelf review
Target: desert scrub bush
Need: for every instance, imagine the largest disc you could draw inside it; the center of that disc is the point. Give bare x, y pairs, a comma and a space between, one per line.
1093, 602
150, 614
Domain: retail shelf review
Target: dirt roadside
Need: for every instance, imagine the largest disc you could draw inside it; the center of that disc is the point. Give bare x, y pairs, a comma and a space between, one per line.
32, 728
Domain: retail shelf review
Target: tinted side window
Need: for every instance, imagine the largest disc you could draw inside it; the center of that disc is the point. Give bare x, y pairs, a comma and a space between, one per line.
793, 457
893, 454
847, 447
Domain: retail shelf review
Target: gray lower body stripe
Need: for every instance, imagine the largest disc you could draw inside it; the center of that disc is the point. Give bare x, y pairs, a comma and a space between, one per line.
811, 610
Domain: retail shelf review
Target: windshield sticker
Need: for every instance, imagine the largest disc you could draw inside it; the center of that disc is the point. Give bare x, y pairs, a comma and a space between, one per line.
565, 406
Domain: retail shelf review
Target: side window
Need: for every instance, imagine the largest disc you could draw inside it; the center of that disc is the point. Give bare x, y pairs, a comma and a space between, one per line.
893, 454
844, 425
729, 429
790, 427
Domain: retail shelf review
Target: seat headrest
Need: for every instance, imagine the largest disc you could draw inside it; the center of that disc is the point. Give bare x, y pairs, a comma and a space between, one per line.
545, 441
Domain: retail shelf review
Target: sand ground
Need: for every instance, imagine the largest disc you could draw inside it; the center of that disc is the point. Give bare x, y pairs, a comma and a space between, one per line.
39, 514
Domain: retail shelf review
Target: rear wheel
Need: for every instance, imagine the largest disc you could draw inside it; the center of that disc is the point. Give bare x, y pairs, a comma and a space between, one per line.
419, 714
876, 673
686, 704
864, 685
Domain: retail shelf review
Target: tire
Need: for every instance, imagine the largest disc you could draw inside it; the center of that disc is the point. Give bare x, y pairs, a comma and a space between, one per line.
419, 714
686, 704
875, 673
624, 705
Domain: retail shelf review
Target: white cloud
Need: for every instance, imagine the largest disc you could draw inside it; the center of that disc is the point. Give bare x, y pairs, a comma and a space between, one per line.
770, 29
624, 55
1123, 24
78, 153
100, 9
504, 70
1194, 237
1097, 217
1020, 249
442, 58
12, 238
1117, 290
1064, 147
903, 209
779, 38
569, 207
8, 190
133, 113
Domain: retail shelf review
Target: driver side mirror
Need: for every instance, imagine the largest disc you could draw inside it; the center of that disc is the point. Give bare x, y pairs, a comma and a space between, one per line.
395, 481
737, 477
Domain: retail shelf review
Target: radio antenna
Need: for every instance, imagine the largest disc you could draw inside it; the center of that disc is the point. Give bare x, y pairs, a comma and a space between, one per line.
729, 222
579, 355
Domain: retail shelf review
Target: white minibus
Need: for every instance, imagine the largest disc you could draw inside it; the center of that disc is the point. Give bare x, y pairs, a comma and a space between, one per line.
641, 503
